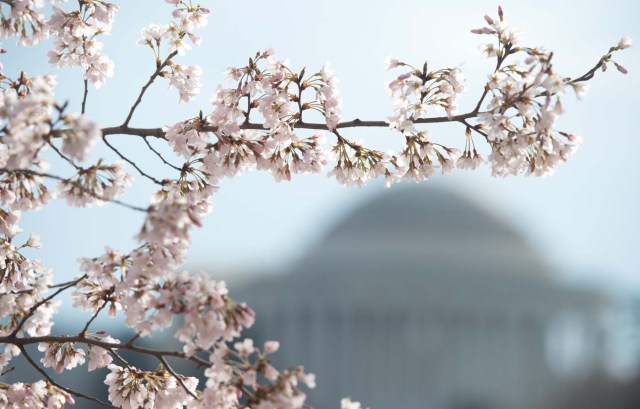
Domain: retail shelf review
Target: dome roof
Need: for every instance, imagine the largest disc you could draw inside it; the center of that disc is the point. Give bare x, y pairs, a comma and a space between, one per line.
415, 242
428, 229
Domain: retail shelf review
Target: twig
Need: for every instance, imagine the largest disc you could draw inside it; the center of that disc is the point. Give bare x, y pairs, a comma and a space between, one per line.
125, 130
132, 163
175, 375
84, 97
95, 315
159, 155
63, 156
133, 338
120, 358
507, 51
44, 301
13, 368
144, 88
589, 74
64, 284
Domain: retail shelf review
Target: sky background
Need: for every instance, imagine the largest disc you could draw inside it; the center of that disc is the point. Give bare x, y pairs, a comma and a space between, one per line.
585, 219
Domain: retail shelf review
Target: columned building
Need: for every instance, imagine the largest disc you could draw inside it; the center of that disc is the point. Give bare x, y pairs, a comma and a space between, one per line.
422, 299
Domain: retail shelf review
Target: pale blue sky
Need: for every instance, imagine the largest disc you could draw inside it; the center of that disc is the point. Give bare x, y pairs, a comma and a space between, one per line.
586, 218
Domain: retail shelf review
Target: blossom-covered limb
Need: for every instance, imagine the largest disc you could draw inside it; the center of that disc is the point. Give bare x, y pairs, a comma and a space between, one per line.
69, 181
57, 385
35, 307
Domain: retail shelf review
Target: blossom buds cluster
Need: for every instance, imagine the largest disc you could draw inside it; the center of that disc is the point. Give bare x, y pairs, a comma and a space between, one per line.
417, 89
131, 388
23, 20
508, 37
95, 184
355, 164
254, 382
421, 157
23, 282
271, 88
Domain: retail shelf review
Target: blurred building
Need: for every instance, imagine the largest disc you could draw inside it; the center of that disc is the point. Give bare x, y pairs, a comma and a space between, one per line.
422, 299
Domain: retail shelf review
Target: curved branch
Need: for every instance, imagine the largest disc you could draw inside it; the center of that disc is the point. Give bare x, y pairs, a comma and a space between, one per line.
144, 88
44, 301
177, 377
159, 155
57, 385
130, 162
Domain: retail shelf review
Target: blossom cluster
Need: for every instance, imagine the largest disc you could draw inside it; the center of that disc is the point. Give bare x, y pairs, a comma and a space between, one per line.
23, 284
525, 102
268, 86
260, 385
33, 121
187, 18
39, 394
23, 20
131, 388
76, 38
95, 184
417, 89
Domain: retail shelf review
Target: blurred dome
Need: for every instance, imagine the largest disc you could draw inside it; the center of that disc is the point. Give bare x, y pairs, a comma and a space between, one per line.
414, 245
429, 228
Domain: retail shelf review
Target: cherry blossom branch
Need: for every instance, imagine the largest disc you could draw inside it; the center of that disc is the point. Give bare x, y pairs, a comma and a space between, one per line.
355, 123
507, 51
57, 385
106, 345
60, 178
37, 305
147, 85
145, 285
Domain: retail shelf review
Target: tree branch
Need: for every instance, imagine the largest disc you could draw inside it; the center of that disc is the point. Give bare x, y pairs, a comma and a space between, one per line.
144, 88
106, 345
60, 178
355, 123
57, 385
